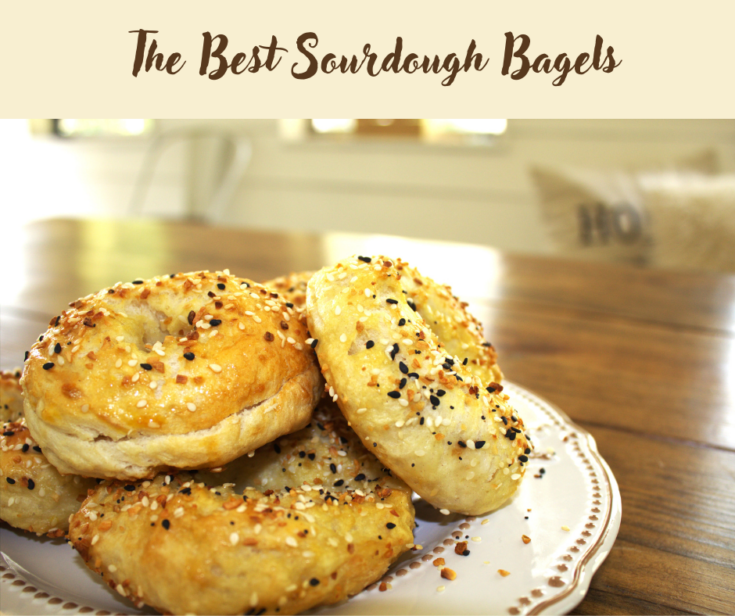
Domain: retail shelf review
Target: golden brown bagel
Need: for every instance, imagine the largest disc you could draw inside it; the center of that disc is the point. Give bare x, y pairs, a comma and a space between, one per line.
188, 371
33, 495
184, 546
453, 438
11, 396
293, 289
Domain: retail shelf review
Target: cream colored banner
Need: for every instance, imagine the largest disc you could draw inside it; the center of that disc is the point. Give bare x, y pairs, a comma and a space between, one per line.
562, 59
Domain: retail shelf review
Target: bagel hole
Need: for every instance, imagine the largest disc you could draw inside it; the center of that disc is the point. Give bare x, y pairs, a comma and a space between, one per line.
156, 325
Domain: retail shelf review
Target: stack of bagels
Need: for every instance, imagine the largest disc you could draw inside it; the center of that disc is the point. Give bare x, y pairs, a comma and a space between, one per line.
210, 444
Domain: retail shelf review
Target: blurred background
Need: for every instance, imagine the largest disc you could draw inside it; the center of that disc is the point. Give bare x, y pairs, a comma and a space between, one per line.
655, 193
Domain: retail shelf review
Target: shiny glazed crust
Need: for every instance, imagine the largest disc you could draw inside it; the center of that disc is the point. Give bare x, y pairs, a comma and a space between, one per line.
33, 495
453, 438
182, 546
189, 370
11, 396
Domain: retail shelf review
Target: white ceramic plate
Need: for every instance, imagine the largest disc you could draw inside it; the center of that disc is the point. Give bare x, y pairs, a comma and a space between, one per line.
568, 505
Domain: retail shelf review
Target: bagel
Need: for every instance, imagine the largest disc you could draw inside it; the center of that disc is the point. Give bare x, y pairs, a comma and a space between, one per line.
188, 371
421, 409
33, 495
182, 545
293, 289
11, 396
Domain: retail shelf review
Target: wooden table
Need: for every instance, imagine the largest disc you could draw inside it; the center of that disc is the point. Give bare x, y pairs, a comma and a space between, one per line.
643, 359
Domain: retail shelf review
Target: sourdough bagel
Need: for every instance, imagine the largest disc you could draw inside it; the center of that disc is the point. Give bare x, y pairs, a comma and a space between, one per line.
11, 396
423, 410
33, 495
188, 370
194, 544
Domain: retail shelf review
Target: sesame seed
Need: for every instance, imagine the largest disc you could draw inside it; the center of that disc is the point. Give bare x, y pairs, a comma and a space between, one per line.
566, 528
215, 367
234, 538
142, 403
444, 511
337, 310
343, 338
291, 541
191, 406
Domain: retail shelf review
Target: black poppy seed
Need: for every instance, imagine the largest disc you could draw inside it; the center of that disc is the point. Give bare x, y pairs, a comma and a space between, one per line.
302, 454
333, 467
392, 301
40, 338
10, 480
338, 483
413, 375
440, 392
37, 448
505, 420
48, 365
401, 323
527, 450
276, 447
146, 366
129, 488
57, 348
542, 471
31, 484
319, 425
434, 400
479, 444
189, 356
311, 456
390, 526
421, 421
402, 384
364, 259
186, 491
394, 351
314, 582
486, 344
137, 281
289, 304
464, 363
166, 524
313, 343
411, 304
215, 322
462, 444
466, 553
360, 477
394, 394
510, 435
369, 344
26, 356
403, 367
221, 286
25, 447
523, 458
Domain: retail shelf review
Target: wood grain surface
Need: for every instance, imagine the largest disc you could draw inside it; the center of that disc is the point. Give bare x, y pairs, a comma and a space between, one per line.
644, 360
